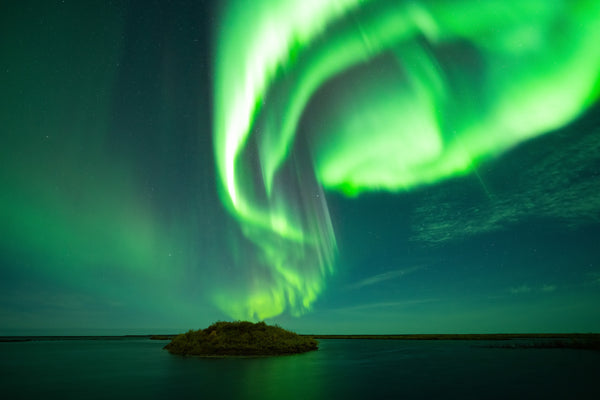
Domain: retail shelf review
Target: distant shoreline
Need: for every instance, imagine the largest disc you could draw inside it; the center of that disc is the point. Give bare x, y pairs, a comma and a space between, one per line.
583, 341
38, 338
444, 336
587, 341
467, 336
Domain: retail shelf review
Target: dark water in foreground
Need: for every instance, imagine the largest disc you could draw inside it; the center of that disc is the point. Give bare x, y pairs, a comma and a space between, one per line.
346, 369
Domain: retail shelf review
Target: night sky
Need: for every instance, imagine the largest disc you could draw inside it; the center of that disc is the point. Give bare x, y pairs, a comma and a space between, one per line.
330, 166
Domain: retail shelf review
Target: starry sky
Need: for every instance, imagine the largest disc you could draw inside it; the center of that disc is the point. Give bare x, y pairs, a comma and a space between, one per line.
330, 166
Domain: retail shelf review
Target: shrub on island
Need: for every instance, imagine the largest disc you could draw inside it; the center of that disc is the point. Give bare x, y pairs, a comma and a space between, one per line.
240, 339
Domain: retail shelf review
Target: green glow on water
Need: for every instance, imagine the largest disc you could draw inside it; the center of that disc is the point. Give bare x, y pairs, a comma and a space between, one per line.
405, 94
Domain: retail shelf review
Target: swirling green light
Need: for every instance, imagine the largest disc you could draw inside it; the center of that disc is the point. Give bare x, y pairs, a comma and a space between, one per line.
410, 93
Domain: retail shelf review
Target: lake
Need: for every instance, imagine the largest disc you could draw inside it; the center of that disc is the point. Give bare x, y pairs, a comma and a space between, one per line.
136, 368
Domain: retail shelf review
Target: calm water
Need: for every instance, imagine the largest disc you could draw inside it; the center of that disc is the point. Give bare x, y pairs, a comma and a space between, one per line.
139, 369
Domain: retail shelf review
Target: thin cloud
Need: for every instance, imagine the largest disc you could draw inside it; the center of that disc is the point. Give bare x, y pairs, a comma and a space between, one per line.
520, 289
524, 289
594, 277
548, 288
558, 185
386, 276
388, 304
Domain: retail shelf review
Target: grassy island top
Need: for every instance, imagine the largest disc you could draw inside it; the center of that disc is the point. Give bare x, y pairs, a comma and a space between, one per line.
240, 339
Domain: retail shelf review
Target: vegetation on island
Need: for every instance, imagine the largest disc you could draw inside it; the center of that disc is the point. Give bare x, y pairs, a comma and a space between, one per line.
240, 338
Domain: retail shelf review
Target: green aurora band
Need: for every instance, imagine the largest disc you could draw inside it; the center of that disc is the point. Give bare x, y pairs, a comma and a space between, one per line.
373, 95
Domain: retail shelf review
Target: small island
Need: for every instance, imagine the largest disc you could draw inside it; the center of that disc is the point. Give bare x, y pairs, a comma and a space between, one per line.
240, 338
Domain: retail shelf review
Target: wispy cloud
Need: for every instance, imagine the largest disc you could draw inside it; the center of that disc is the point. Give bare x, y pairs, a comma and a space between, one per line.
594, 277
558, 185
524, 289
388, 304
386, 276
520, 289
548, 288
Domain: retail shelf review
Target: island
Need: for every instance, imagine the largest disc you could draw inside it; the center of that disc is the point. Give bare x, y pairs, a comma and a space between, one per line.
240, 338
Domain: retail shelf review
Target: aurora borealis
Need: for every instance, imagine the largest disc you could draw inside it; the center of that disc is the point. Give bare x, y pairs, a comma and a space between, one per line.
528, 68
335, 166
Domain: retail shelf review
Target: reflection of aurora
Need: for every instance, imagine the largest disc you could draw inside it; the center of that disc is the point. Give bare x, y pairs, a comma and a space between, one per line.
402, 93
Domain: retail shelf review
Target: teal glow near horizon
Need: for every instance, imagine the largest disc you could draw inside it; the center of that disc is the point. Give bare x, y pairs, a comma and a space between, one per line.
409, 94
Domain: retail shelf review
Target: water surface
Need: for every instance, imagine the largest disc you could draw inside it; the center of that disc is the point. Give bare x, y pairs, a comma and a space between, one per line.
139, 369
